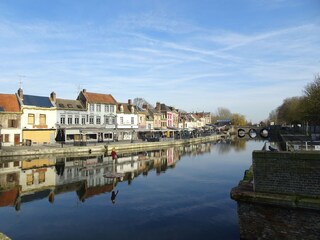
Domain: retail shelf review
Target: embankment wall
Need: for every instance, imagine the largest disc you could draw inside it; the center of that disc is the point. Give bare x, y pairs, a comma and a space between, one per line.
291, 173
16, 152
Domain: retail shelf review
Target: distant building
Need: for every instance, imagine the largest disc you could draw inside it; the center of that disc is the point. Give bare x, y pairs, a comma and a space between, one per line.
10, 120
38, 119
101, 116
71, 117
127, 121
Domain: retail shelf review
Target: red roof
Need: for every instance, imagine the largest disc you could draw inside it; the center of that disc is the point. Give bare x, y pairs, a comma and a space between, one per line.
8, 198
99, 98
9, 103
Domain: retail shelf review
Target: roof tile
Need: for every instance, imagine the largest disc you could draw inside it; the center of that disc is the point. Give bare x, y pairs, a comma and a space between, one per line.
99, 98
9, 103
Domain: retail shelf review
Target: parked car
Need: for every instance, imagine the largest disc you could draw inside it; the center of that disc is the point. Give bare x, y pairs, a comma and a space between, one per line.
152, 139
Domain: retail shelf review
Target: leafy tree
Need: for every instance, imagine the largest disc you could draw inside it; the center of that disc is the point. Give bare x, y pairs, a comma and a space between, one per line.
312, 101
238, 119
290, 112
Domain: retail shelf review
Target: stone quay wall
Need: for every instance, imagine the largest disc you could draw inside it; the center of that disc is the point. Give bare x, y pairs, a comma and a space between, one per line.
10, 153
289, 173
262, 221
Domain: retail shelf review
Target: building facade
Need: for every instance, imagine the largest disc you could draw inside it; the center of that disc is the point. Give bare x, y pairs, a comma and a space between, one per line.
38, 119
10, 120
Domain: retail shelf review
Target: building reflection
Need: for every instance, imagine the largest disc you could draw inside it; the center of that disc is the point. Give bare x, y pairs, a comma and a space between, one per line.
88, 176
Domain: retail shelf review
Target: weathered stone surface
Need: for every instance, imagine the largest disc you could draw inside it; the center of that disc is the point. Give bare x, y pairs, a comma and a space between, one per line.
292, 173
259, 221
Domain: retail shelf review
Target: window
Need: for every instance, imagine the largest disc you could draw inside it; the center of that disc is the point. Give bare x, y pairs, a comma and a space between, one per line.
76, 120
42, 177
98, 107
42, 119
12, 123
91, 120
70, 105
98, 120
29, 179
62, 119
30, 118
111, 120
111, 108
6, 138
83, 120
70, 119
106, 108
132, 120
91, 107
121, 120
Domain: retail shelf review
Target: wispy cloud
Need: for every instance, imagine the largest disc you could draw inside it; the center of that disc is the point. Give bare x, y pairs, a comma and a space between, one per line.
161, 58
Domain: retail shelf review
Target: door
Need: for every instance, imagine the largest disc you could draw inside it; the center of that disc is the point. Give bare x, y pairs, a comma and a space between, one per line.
17, 139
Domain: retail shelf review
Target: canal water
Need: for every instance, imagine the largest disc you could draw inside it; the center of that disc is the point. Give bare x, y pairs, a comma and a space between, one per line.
174, 193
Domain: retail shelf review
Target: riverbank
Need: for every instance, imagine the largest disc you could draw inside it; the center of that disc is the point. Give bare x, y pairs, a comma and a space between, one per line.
58, 149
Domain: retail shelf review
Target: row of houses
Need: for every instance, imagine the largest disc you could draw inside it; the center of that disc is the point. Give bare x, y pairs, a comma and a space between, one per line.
92, 117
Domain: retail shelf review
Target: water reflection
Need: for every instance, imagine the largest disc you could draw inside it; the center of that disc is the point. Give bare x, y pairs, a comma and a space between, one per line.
29, 180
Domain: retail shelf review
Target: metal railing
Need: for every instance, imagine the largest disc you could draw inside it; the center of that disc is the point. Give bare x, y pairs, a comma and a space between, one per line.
303, 146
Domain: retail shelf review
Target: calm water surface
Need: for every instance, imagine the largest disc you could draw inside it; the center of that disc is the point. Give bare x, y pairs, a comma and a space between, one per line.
175, 193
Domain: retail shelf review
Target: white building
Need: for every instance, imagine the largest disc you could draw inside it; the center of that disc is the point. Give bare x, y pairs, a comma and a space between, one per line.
127, 121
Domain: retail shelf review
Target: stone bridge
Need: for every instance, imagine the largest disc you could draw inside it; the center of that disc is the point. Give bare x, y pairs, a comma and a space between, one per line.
252, 132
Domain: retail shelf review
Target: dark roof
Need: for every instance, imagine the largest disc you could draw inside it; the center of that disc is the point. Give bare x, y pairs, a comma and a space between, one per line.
126, 108
37, 101
69, 104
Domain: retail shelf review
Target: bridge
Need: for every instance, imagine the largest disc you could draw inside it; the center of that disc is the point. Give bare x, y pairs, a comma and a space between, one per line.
252, 132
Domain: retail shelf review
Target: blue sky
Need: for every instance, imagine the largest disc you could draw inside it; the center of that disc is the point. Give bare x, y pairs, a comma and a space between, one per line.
196, 55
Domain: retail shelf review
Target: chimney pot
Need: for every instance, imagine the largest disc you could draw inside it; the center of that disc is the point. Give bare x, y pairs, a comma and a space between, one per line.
53, 97
20, 93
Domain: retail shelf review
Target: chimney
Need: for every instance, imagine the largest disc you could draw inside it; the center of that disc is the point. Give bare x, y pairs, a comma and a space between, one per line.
84, 90
129, 101
158, 106
20, 93
53, 97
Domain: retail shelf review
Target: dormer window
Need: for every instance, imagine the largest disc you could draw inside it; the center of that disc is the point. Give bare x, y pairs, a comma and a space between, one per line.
121, 108
132, 109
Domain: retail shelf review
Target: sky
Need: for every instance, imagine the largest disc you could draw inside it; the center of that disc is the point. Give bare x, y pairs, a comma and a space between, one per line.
195, 55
